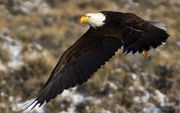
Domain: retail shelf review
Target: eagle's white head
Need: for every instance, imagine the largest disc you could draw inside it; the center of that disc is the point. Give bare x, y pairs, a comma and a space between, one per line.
94, 19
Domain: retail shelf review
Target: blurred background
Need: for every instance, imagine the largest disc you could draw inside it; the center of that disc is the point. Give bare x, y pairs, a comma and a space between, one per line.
35, 33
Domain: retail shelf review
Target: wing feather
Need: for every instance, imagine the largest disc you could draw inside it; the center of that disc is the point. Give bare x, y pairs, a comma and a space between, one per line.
142, 35
77, 64
137, 34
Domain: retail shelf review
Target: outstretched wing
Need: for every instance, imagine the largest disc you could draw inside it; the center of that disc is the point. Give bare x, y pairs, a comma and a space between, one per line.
77, 64
139, 35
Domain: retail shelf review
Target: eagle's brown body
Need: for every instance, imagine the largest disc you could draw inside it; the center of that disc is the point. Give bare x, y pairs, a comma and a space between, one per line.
98, 45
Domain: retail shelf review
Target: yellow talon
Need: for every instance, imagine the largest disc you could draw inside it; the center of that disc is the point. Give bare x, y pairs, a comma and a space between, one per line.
144, 53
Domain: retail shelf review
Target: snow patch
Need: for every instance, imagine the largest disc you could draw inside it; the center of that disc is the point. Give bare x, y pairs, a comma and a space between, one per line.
142, 99
3, 94
105, 111
11, 98
131, 88
141, 88
146, 97
29, 5
134, 76
160, 97
178, 43
14, 47
2, 67
112, 85
137, 99
151, 108
72, 96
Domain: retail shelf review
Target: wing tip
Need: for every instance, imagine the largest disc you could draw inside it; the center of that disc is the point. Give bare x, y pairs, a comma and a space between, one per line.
29, 105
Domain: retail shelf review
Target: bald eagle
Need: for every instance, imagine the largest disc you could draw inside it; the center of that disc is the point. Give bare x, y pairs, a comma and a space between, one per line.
108, 32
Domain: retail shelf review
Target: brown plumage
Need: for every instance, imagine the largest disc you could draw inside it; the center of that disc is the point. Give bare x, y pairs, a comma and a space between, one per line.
95, 47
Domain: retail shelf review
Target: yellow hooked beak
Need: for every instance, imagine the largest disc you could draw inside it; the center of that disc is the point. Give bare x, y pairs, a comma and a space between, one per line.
144, 53
84, 19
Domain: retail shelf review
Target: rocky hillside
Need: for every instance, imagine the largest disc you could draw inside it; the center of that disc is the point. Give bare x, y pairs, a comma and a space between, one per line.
35, 33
